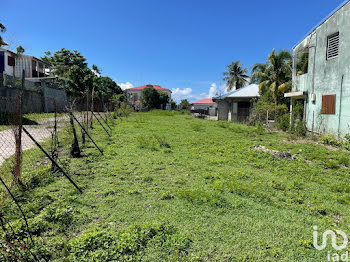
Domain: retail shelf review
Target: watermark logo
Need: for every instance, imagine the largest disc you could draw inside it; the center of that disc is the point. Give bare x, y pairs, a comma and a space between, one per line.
333, 236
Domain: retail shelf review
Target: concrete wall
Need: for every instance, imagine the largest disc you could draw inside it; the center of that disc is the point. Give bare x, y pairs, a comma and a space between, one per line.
223, 110
38, 101
328, 77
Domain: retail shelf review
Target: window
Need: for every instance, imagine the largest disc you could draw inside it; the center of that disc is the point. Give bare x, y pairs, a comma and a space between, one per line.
328, 104
332, 46
11, 61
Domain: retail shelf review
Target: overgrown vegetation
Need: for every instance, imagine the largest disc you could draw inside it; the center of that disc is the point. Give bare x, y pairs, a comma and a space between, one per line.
173, 188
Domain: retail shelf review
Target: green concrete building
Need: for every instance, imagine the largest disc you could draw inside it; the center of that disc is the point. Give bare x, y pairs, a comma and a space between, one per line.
325, 88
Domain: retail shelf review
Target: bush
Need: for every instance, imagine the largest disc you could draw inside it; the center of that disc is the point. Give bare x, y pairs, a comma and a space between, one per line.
260, 109
300, 129
283, 122
329, 140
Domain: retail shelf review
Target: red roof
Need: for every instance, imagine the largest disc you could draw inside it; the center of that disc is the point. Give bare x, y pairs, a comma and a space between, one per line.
204, 101
154, 86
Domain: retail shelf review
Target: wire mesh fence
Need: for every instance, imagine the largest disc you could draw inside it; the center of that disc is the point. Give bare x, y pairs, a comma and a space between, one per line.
30, 140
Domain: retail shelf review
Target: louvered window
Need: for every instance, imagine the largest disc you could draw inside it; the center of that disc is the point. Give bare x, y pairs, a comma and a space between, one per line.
328, 104
332, 46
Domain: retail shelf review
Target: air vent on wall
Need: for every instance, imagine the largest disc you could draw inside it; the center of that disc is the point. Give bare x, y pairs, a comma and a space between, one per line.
332, 46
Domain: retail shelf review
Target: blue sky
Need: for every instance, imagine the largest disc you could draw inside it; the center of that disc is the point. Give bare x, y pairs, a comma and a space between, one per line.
183, 45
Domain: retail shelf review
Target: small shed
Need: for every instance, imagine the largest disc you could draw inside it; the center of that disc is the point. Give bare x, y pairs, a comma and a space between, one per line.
207, 105
235, 106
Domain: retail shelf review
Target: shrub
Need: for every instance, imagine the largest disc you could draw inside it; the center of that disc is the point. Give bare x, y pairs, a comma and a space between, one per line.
283, 122
329, 140
260, 109
300, 129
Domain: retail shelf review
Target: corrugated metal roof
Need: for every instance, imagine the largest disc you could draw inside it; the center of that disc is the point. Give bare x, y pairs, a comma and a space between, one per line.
324, 20
249, 91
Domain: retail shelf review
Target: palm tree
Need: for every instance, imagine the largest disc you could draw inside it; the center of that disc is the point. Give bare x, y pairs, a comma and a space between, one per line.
235, 76
274, 76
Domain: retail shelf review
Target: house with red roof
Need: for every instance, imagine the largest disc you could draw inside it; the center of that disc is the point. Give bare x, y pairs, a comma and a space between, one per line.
205, 104
134, 95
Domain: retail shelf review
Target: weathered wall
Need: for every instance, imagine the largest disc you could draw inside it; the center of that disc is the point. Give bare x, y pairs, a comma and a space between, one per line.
33, 101
327, 77
54, 97
223, 110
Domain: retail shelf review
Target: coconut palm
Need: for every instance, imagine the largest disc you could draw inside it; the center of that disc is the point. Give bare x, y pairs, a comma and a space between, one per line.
236, 76
274, 76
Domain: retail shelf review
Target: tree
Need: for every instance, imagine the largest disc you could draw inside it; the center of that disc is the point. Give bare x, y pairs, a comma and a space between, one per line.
184, 104
96, 70
173, 104
150, 98
163, 99
72, 67
275, 76
235, 76
20, 50
302, 63
107, 87
2, 30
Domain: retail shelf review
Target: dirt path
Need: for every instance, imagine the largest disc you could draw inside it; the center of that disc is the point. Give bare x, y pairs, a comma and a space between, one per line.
39, 132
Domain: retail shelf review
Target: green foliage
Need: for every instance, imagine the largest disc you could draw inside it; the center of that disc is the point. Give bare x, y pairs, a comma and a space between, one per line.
20, 50
129, 245
329, 140
2, 30
73, 67
235, 76
184, 104
152, 99
283, 122
301, 129
275, 76
260, 109
173, 104
303, 63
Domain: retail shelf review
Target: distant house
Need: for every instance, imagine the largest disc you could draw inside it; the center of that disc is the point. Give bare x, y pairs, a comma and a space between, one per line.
34, 67
134, 95
12, 64
325, 88
235, 106
7, 62
207, 105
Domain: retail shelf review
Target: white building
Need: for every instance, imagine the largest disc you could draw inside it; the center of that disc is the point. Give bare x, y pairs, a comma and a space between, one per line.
7, 62
236, 105
13, 64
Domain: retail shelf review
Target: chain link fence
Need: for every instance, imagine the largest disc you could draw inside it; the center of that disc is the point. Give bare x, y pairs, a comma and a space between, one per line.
31, 140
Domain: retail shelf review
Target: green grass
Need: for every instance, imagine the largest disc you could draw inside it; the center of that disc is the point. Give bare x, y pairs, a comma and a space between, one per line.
29, 119
173, 188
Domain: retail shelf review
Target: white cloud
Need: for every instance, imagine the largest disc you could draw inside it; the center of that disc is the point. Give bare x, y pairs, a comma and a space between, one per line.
126, 85
187, 93
179, 94
213, 90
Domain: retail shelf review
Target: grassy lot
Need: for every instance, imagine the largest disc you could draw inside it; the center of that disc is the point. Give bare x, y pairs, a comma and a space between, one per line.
174, 188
